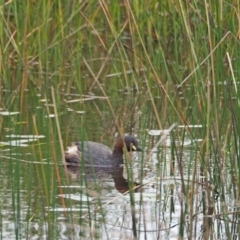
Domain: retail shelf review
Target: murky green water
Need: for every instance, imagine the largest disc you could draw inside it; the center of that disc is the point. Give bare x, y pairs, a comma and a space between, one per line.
39, 199
94, 70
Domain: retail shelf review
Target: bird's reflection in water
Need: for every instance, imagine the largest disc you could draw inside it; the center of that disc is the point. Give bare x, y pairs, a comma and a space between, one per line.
99, 174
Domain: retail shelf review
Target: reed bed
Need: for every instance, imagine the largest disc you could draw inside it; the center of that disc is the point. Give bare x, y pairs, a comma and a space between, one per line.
91, 69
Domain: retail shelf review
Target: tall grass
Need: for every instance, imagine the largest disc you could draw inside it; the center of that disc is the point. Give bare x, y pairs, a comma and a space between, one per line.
164, 61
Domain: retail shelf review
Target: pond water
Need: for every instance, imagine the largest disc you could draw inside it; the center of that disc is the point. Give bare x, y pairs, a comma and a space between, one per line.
166, 72
144, 198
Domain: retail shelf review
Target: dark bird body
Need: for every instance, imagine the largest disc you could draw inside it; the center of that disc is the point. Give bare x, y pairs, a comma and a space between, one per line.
98, 154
